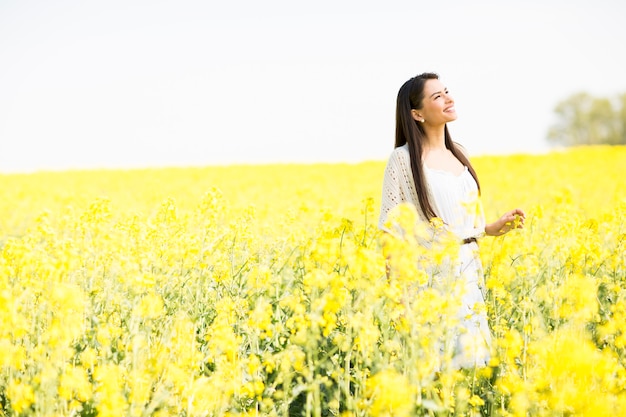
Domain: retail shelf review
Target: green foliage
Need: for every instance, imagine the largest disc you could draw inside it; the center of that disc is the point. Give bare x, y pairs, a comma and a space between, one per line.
583, 119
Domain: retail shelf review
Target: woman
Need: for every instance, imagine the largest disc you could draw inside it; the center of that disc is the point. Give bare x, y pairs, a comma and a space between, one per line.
432, 173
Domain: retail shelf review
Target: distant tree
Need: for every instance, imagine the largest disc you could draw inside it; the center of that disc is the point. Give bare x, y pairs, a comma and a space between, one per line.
586, 120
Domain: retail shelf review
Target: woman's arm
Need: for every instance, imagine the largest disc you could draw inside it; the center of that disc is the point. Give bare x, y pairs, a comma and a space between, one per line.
510, 220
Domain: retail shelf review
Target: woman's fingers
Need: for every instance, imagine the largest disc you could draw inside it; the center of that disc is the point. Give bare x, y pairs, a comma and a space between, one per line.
515, 219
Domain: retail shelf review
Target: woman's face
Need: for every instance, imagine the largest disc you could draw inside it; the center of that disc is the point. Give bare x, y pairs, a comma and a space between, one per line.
437, 105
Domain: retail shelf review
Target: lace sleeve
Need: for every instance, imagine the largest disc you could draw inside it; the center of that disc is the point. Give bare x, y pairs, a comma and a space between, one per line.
397, 185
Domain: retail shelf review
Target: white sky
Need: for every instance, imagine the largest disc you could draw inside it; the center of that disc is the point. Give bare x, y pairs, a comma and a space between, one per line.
123, 83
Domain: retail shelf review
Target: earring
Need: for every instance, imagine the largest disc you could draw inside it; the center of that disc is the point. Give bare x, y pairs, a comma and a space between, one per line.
423, 120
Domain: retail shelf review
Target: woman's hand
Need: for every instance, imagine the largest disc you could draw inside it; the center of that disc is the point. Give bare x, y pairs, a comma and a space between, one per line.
513, 219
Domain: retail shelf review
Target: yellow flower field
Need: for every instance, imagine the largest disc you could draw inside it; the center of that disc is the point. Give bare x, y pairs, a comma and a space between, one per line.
262, 290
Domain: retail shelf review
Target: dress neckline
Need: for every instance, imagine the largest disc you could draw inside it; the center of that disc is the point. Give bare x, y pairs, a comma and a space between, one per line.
444, 172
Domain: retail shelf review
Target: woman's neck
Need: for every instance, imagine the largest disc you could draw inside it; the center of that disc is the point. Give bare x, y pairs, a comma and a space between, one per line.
435, 137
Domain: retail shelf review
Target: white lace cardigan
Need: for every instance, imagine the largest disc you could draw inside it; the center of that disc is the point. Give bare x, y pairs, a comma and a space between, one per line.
449, 195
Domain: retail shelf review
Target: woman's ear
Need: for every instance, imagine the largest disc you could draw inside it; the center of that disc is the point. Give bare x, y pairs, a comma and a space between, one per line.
416, 115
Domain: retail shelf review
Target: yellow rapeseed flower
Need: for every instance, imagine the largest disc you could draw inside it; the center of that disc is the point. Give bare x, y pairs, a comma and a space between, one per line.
390, 395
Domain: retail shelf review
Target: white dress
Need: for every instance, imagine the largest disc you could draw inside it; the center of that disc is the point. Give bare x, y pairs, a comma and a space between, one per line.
454, 198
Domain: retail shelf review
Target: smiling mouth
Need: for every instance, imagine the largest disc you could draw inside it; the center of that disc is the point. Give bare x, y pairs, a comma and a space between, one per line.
449, 109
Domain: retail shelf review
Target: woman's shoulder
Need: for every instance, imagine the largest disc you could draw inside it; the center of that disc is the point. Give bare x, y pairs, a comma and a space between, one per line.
461, 149
401, 153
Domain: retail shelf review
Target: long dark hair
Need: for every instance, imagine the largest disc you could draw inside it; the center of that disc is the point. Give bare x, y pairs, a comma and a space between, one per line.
408, 130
